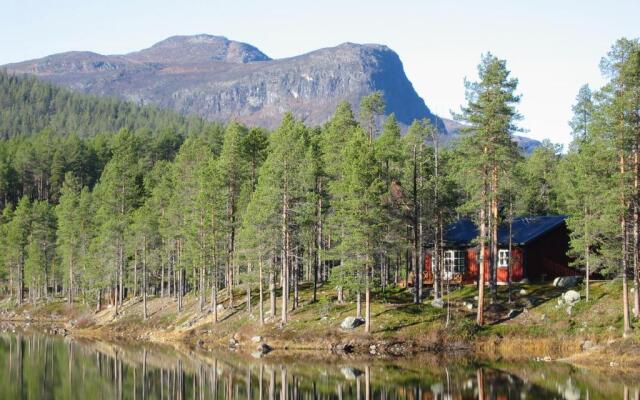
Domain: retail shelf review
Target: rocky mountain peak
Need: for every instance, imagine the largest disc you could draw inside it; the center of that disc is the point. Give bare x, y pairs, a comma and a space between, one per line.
200, 48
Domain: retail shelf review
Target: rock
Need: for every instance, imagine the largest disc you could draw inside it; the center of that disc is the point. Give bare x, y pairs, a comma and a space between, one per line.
566, 281
475, 298
587, 345
264, 348
350, 373
220, 307
469, 306
513, 313
373, 349
527, 302
571, 297
613, 364
236, 81
256, 339
437, 303
233, 342
523, 292
543, 317
200, 343
343, 348
524, 281
351, 323
546, 359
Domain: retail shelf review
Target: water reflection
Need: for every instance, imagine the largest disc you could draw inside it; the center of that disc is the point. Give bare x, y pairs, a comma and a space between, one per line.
37, 366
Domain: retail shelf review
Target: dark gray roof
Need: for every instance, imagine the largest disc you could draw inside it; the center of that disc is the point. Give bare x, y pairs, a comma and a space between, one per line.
524, 230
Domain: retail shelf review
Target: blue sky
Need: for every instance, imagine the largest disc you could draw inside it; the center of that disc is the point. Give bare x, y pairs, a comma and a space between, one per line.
552, 47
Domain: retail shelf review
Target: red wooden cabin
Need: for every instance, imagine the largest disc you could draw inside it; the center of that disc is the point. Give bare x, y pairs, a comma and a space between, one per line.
539, 251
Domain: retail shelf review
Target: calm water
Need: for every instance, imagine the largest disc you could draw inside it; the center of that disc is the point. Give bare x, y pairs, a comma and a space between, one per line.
37, 366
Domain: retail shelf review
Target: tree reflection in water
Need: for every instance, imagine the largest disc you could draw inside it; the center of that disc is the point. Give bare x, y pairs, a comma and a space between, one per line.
37, 366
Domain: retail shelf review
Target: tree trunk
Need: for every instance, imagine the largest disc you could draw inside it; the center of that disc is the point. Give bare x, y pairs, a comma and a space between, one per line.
416, 242
483, 236
135, 274
272, 293
144, 278
367, 302
636, 234
261, 304
285, 251
623, 226
494, 235
358, 304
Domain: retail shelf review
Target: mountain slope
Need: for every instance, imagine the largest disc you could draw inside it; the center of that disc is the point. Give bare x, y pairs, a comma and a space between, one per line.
28, 106
221, 80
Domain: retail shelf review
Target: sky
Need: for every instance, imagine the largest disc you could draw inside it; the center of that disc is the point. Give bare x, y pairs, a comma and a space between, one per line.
552, 47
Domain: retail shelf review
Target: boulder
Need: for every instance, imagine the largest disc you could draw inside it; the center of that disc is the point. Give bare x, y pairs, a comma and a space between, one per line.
350, 373
566, 281
587, 345
513, 313
343, 348
571, 297
523, 292
437, 303
351, 322
263, 348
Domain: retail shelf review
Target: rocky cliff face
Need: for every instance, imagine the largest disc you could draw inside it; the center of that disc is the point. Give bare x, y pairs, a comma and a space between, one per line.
221, 79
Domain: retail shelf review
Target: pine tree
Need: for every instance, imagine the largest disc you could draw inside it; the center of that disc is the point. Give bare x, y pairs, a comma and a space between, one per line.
233, 170
117, 195
486, 152
362, 191
18, 230
41, 249
68, 234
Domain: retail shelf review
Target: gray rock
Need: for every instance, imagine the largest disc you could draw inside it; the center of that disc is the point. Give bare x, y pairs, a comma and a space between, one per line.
566, 281
350, 373
513, 313
571, 297
343, 348
524, 281
351, 323
256, 339
523, 292
587, 345
437, 303
263, 348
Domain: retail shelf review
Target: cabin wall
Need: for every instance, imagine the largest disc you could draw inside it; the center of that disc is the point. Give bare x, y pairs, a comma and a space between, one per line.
473, 267
546, 257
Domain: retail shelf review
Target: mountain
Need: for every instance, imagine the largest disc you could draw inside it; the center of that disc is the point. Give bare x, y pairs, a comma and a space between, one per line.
29, 105
220, 79
453, 129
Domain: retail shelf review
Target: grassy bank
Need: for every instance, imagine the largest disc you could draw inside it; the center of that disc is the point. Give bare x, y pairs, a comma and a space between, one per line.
533, 325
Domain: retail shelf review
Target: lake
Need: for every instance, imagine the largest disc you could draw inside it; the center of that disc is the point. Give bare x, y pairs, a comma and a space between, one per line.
40, 366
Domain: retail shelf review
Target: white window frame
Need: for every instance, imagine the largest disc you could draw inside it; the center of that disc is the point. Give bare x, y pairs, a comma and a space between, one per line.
454, 262
503, 258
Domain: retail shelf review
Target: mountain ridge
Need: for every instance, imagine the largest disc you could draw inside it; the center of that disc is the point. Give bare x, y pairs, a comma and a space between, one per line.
222, 80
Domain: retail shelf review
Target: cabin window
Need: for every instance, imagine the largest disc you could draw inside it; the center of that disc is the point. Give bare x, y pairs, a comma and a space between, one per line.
503, 258
454, 261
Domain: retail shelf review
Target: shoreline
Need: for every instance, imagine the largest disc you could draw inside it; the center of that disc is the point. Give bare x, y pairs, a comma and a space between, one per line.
359, 347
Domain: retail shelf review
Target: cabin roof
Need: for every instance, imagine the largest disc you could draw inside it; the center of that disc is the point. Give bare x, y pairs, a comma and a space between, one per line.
524, 230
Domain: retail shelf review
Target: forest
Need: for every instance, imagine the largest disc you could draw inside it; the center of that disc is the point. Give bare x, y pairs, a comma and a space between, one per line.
103, 201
